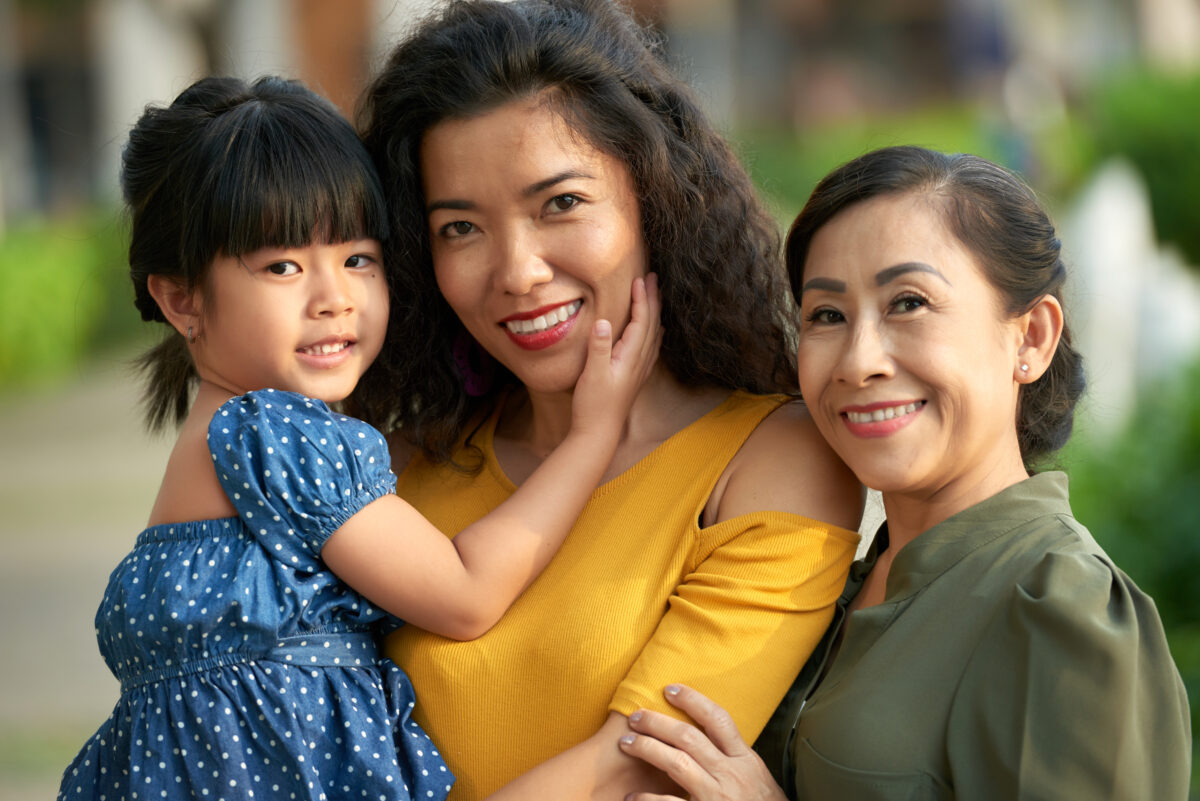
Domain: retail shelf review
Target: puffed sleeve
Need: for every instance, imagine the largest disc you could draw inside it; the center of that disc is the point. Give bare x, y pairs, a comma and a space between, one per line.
750, 609
295, 470
1072, 694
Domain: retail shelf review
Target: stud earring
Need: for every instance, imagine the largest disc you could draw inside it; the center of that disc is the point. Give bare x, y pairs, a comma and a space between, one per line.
1024, 369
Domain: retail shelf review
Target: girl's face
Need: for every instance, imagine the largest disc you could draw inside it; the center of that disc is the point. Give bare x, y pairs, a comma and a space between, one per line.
309, 320
535, 235
906, 358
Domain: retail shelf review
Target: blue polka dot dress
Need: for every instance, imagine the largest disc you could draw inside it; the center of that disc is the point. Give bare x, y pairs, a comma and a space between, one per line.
247, 669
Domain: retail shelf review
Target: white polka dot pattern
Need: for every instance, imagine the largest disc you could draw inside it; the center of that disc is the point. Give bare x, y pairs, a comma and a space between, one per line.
247, 669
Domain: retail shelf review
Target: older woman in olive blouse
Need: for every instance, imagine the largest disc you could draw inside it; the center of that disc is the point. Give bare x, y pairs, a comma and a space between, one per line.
986, 647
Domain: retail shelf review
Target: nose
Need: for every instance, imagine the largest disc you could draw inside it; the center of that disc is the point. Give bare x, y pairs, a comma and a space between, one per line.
331, 293
520, 264
864, 357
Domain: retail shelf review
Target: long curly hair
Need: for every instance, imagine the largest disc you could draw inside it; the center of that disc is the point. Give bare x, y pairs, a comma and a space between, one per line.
997, 216
727, 314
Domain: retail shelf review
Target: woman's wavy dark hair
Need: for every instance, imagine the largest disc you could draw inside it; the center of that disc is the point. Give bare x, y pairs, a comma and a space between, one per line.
726, 313
999, 219
226, 169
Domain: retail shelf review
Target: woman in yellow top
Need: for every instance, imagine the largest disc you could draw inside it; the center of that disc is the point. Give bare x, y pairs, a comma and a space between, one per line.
537, 156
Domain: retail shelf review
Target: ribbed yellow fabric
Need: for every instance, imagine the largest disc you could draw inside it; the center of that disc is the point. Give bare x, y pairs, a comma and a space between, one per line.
639, 596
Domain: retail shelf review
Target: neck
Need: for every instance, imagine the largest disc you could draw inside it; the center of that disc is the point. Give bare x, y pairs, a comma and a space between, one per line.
541, 421
910, 513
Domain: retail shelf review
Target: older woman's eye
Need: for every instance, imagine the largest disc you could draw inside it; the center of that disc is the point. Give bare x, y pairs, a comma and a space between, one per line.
824, 316
908, 303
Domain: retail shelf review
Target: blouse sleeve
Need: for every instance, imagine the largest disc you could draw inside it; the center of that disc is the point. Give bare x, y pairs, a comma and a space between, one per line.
749, 611
295, 470
1072, 693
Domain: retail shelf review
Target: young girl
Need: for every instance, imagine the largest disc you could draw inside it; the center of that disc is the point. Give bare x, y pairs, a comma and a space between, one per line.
248, 668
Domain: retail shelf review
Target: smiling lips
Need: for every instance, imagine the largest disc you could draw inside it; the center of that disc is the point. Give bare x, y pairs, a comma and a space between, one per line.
326, 353
879, 420
542, 327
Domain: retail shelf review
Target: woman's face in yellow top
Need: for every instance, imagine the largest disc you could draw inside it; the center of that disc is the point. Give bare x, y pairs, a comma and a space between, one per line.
535, 235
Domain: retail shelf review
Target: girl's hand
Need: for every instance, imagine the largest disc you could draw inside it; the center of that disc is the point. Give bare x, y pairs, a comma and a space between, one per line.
614, 373
711, 765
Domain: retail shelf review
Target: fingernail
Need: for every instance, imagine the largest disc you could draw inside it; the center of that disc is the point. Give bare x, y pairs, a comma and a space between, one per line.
628, 739
672, 689
635, 717
603, 328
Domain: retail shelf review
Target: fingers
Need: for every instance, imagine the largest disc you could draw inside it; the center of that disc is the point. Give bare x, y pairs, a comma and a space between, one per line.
653, 747
642, 336
715, 721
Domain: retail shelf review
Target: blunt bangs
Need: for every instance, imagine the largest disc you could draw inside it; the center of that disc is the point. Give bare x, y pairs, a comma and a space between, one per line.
279, 179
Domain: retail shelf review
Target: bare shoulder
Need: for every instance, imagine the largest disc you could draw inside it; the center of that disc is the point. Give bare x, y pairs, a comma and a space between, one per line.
786, 466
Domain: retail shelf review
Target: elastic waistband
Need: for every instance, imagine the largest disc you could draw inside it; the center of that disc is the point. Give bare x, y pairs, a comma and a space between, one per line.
347, 649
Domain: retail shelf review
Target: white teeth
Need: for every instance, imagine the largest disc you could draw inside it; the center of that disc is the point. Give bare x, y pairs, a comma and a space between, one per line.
887, 413
322, 350
545, 321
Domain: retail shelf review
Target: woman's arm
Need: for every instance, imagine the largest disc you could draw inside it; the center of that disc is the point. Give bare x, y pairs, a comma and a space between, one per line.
459, 588
745, 585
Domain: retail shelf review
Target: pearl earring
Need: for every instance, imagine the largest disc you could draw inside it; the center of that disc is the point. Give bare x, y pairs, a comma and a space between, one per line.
1024, 368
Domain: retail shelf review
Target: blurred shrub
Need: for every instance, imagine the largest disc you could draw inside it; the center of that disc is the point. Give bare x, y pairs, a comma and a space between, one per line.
1138, 494
1150, 119
787, 165
64, 295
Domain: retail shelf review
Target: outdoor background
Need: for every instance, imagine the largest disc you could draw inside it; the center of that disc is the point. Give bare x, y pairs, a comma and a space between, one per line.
1096, 102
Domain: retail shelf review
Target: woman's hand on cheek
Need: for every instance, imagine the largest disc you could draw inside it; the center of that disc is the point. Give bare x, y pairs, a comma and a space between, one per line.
715, 764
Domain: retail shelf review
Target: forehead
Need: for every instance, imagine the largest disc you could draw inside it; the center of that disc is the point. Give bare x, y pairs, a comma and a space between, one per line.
520, 142
879, 233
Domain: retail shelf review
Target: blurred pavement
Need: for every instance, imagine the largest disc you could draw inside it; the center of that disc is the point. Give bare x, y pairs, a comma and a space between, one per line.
77, 477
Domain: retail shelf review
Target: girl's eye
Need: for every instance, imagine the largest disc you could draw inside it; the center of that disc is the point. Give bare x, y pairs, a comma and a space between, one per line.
283, 268
824, 316
360, 260
456, 229
908, 303
563, 202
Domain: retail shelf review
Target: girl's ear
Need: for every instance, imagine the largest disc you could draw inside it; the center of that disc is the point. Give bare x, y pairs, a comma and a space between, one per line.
179, 305
1043, 326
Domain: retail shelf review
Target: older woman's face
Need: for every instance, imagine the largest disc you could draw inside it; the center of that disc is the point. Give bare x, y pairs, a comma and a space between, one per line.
535, 235
906, 358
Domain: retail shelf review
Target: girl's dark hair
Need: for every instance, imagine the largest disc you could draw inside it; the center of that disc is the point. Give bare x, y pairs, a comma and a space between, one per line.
999, 219
226, 169
726, 314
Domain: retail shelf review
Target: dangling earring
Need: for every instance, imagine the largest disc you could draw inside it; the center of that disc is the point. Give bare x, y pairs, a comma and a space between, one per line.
474, 363
191, 337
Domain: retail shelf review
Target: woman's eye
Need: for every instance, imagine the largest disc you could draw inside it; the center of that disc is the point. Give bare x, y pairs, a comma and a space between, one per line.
824, 316
908, 303
283, 268
563, 202
456, 229
359, 260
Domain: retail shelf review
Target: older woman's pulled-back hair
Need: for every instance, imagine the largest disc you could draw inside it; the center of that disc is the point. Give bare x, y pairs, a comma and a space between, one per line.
715, 249
226, 169
999, 219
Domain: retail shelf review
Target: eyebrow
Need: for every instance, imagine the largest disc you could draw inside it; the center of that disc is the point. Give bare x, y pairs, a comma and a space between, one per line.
892, 273
533, 189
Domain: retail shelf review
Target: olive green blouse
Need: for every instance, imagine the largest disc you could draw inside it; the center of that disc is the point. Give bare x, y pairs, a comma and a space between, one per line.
1010, 659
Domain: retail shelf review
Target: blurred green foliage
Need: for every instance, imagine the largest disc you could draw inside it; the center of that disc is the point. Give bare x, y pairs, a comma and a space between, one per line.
1150, 119
1139, 494
65, 295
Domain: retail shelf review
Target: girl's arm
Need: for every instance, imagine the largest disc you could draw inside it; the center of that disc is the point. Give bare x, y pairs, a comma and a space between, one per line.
459, 588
